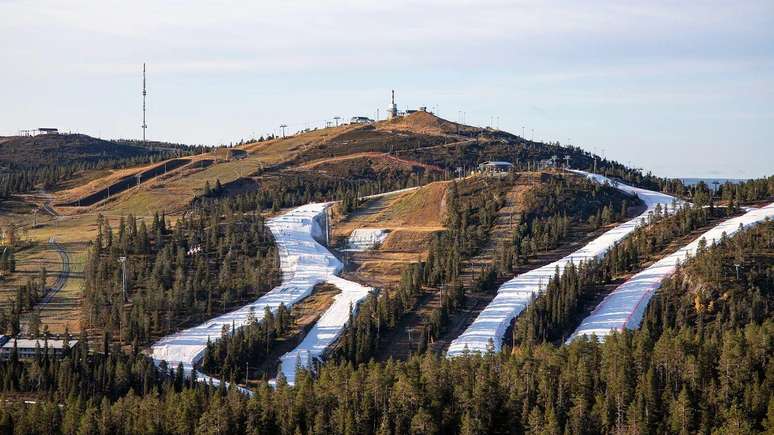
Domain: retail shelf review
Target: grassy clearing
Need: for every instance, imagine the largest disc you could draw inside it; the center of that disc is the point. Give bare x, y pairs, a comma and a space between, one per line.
64, 310
412, 217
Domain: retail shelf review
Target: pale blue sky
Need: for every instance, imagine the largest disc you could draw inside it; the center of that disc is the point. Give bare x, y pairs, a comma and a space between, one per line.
679, 88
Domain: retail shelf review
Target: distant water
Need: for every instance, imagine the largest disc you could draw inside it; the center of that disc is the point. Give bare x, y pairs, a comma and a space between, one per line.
710, 181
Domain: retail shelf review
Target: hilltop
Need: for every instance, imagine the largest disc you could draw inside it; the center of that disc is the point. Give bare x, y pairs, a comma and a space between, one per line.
48, 149
418, 145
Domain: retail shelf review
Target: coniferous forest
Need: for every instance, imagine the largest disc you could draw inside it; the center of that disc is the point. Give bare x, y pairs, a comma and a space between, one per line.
211, 260
699, 363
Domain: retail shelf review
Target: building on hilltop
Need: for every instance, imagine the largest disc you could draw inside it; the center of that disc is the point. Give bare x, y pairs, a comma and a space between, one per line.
420, 109
37, 131
360, 120
495, 167
393, 112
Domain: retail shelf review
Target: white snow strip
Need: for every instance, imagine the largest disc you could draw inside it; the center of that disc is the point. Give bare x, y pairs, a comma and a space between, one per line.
364, 239
487, 331
327, 329
304, 263
625, 306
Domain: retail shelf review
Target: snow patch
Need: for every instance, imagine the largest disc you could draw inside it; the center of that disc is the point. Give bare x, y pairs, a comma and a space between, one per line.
364, 239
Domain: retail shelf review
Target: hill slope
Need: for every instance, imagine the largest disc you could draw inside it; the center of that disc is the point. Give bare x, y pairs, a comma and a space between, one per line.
34, 151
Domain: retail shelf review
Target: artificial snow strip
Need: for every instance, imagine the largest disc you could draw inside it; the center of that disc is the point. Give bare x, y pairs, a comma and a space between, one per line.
364, 239
304, 263
487, 331
625, 306
327, 329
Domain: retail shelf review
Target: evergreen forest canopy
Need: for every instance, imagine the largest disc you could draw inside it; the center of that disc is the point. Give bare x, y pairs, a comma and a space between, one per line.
701, 362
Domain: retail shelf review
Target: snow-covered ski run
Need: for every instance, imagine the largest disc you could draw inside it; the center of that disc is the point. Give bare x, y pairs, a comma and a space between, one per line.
625, 306
304, 263
487, 331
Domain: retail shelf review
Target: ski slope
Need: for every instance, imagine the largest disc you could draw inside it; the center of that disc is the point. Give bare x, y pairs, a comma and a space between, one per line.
304, 263
487, 331
625, 306
327, 329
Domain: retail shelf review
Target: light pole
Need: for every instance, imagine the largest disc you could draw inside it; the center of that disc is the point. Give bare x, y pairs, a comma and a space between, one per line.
283, 126
337, 120
122, 260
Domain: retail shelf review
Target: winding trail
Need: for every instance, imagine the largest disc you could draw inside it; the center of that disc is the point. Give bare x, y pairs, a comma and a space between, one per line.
61, 280
625, 306
486, 333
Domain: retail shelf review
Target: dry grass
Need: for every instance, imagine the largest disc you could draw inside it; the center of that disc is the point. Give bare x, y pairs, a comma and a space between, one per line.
377, 161
64, 309
406, 240
423, 123
82, 189
422, 210
412, 218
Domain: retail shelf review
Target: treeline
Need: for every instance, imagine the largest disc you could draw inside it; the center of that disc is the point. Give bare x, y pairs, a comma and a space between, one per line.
379, 314
289, 190
552, 208
750, 190
212, 260
724, 287
687, 370
230, 357
548, 212
152, 145
48, 176
554, 313
471, 208
23, 301
529, 155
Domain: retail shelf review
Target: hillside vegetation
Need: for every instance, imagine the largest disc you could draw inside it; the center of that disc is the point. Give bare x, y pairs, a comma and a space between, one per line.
190, 224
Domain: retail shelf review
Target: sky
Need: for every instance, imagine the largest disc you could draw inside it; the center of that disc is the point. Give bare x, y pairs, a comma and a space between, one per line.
682, 89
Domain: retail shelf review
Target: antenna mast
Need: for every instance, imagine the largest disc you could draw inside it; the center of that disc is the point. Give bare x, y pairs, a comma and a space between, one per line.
144, 93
